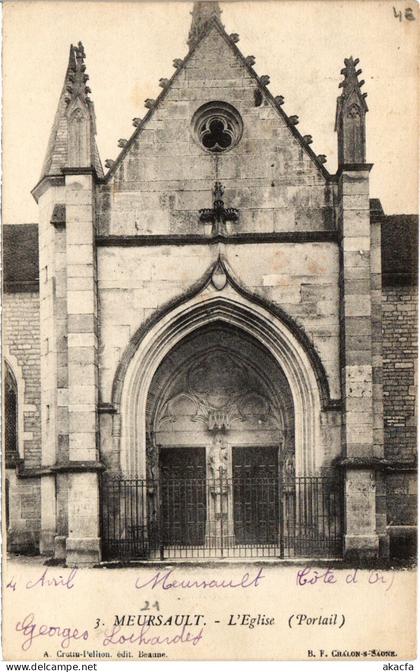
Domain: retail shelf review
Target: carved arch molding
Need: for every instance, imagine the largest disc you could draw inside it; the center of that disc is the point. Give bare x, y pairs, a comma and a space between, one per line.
218, 388
209, 305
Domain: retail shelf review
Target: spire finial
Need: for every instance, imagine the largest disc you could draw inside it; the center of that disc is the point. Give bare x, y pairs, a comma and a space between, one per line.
351, 81
76, 76
203, 12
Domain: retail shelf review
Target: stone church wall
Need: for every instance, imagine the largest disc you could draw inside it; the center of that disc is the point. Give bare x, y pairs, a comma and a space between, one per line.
399, 322
22, 352
133, 283
21, 341
23, 513
399, 315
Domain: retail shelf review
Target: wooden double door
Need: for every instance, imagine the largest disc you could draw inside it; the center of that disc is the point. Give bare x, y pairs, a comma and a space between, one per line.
255, 486
249, 498
183, 496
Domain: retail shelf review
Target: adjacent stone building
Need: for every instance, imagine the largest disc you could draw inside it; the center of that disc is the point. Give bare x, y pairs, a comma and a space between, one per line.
213, 354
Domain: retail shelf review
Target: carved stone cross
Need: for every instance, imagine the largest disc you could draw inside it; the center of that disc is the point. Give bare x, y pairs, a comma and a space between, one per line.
218, 215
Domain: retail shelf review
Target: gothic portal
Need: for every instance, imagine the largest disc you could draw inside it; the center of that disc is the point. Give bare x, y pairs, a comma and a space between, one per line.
220, 411
210, 369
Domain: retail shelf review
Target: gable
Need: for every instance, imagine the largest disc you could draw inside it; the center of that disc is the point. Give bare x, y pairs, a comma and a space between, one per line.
164, 176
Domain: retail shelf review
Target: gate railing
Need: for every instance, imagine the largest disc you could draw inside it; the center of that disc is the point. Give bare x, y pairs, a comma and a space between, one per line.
222, 517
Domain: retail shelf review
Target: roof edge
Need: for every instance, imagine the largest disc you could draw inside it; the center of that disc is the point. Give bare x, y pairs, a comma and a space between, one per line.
215, 22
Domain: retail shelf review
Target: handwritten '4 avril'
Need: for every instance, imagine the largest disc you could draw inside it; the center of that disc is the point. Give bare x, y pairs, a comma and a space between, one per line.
309, 577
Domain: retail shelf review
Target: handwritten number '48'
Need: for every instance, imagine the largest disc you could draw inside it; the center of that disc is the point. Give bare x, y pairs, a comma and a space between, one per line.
408, 14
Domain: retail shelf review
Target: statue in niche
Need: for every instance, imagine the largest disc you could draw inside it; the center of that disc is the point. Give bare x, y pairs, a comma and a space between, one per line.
289, 466
287, 456
218, 456
152, 457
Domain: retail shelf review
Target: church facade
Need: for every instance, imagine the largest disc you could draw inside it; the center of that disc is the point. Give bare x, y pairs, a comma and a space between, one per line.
213, 353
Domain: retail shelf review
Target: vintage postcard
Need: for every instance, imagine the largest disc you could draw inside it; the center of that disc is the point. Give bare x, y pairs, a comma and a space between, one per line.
209, 331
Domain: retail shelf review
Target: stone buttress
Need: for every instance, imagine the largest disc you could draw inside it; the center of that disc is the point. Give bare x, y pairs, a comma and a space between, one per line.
65, 195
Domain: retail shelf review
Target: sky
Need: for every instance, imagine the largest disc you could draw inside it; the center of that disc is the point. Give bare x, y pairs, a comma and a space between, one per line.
131, 45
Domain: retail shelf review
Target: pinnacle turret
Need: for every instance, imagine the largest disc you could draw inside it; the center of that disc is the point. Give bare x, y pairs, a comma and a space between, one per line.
350, 116
72, 140
203, 12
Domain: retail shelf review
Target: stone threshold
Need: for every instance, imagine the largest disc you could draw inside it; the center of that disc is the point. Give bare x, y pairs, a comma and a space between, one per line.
255, 562
333, 563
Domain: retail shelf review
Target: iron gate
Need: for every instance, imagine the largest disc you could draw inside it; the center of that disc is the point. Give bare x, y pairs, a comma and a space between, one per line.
221, 517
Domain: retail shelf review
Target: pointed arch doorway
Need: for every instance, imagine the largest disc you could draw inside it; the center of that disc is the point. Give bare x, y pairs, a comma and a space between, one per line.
220, 427
214, 464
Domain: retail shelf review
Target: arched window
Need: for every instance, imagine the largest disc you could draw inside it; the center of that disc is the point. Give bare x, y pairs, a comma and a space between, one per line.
10, 418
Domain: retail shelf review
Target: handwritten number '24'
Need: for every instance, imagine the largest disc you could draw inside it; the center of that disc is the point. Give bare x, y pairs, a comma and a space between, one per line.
408, 14
147, 606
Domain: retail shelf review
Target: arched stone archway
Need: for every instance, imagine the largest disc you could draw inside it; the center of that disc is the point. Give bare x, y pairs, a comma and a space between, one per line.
219, 409
223, 306
191, 448
219, 382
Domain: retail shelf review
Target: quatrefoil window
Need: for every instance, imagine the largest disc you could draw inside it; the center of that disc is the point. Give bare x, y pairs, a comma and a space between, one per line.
217, 126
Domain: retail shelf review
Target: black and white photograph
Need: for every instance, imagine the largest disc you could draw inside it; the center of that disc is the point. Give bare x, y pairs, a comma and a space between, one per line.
209, 339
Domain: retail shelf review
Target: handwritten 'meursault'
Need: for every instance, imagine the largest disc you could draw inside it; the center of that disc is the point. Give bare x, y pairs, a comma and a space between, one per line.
167, 581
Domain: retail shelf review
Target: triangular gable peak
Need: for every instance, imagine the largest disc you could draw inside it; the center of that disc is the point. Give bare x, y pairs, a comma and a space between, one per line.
261, 82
